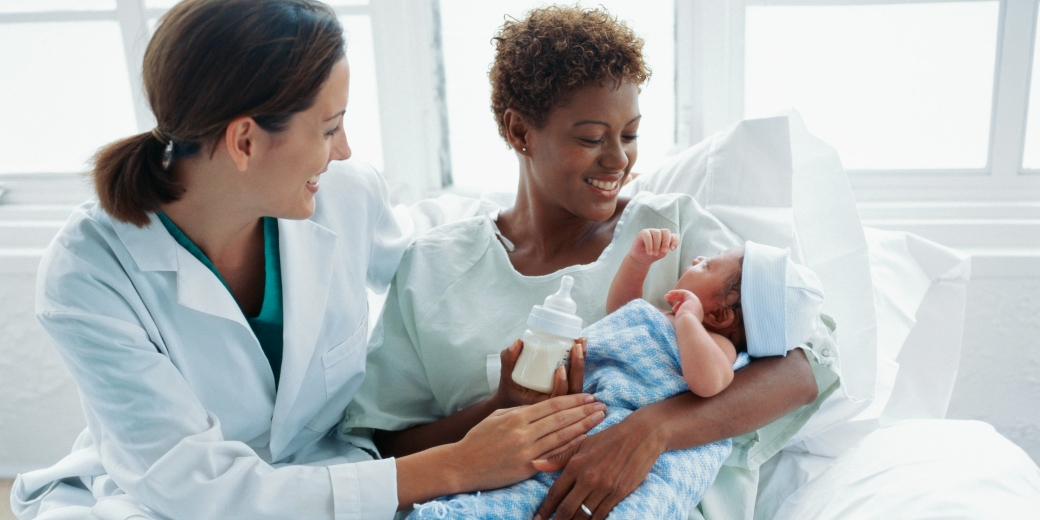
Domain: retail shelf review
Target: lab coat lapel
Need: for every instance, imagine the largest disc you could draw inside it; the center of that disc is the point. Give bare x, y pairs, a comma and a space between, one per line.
307, 254
153, 249
199, 289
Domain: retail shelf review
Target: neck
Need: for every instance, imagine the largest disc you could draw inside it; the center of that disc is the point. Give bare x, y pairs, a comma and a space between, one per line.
543, 229
213, 212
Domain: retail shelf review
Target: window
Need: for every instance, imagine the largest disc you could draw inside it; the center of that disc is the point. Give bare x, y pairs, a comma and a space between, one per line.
1031, 160
98, 46
925, 101
891, 87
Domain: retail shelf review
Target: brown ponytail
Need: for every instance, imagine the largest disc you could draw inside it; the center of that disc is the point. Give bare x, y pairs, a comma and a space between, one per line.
130, 180
209, 62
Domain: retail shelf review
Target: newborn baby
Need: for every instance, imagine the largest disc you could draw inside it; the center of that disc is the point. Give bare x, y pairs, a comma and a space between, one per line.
749, 298
705, 313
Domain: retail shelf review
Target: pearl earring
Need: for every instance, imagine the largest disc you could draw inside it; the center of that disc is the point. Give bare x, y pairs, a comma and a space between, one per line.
524, 149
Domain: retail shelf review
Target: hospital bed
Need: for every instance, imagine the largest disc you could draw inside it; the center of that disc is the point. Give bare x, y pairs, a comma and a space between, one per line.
879, 447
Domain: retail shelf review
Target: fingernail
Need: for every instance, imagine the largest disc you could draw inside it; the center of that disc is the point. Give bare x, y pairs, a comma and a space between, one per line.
598, 416
581, 351
539, 461
537, 517
599, 407
589, 398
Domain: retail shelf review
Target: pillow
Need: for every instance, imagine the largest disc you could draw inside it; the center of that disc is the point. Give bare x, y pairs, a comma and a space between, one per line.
770, 181
923, 469
919, 294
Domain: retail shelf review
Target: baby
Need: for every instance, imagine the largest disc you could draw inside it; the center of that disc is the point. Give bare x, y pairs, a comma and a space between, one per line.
749, 300
706, 311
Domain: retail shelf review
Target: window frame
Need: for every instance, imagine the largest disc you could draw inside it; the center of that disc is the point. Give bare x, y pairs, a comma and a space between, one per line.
708, 95
710, 53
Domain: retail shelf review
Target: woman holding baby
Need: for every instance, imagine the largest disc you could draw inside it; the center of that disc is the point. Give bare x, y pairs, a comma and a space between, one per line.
565, 86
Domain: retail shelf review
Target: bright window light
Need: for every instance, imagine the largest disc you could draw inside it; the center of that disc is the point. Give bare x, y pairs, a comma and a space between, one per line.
362, 120
21, 6
1031, 160
481, 161
49, 126
894, 86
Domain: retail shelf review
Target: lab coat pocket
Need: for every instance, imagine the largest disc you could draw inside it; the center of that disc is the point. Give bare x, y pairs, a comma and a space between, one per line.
344, 367
344, 364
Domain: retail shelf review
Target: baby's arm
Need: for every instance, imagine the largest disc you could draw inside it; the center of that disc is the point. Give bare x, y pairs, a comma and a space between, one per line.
707, 358
649, 246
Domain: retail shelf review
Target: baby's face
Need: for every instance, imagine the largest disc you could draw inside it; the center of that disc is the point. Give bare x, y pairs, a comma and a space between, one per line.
708, 279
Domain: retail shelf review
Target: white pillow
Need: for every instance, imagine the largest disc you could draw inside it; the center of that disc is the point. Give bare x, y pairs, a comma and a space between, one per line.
919, 293
923, 469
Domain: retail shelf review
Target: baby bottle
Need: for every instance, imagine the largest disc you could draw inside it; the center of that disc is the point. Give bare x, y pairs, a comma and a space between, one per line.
552, 329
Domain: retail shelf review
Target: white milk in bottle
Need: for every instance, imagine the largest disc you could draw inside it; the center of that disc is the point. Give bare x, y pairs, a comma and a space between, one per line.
552, 329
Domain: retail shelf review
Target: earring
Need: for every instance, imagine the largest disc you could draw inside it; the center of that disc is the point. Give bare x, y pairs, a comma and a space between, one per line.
524, 149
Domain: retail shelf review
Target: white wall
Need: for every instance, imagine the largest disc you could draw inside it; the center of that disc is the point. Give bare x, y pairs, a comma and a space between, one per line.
999, 378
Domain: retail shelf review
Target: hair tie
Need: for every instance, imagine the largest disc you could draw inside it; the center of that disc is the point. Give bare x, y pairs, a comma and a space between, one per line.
167, 156
160, 136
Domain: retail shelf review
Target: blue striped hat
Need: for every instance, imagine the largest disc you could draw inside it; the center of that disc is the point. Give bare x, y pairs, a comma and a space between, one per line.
781, 300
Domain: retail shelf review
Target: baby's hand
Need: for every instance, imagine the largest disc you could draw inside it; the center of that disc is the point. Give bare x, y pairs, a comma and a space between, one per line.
652, 245
685, 302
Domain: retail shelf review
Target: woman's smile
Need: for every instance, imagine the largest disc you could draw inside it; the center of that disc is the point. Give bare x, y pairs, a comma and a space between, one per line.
607, 188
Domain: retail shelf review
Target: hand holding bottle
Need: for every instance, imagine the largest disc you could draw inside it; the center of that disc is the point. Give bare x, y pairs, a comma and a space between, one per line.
567, 380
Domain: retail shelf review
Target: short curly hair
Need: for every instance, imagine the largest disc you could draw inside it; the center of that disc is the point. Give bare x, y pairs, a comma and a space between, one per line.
555, 50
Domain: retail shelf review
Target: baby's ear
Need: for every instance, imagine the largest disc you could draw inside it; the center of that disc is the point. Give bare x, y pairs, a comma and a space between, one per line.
720, 318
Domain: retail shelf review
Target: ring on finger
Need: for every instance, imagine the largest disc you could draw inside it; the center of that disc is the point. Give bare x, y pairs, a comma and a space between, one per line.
585, 510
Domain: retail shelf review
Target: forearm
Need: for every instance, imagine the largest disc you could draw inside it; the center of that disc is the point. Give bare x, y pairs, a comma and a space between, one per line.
445, 431
705, 366
627, 284
760, 393
429, 474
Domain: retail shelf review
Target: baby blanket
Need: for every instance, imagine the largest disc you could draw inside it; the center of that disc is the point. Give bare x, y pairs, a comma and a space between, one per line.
632, 360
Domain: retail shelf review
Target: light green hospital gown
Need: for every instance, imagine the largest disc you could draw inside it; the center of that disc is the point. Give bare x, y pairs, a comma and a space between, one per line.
457, 301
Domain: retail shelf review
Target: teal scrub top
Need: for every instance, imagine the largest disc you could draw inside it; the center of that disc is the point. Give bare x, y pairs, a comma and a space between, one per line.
267, 326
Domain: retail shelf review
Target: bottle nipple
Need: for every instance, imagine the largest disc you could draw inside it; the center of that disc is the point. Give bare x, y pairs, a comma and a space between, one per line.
561, 300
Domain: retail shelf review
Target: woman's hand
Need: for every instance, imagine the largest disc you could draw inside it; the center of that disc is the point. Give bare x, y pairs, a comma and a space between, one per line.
600, 472
565, 382
685, 302
500, 449
652, 245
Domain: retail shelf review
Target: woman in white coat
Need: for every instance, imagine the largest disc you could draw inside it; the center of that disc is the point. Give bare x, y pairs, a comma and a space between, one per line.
211, 304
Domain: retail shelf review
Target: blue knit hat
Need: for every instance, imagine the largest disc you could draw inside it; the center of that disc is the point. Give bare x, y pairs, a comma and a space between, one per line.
781, 300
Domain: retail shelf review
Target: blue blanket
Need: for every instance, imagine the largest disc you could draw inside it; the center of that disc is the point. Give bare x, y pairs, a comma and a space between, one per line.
632, 361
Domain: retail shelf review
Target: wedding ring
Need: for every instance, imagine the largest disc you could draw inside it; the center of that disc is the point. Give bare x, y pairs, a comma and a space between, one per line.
586, 510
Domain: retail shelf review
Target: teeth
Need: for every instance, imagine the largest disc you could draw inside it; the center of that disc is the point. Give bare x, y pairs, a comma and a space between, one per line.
603, 185
314, 179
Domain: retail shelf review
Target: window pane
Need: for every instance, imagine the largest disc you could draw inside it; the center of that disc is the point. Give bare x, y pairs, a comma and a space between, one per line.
890, 86
21, 6
481, 161
161, 4
1031, 160
64, 92
362, 120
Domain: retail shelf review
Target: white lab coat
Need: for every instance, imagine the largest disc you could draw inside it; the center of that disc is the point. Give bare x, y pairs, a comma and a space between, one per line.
182, 416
